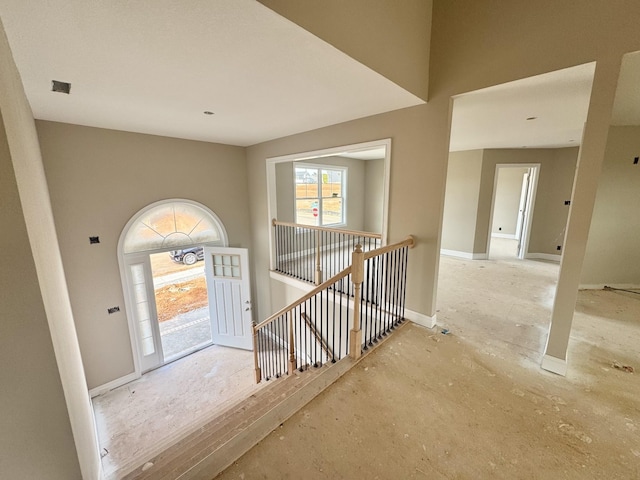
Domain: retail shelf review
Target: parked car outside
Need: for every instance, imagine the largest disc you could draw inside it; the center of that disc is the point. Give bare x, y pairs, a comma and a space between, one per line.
188, 256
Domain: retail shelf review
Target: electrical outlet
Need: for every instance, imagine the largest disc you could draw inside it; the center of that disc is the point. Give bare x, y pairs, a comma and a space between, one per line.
93, 240
113, 310
500, 229
567, 202
635, 160
559, 247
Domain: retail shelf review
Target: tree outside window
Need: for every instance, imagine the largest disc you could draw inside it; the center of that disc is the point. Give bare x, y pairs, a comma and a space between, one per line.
319, 195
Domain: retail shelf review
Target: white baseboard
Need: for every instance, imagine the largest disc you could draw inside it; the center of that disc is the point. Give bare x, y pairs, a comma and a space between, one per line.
554, 365
544, 256
466, 255
510, 236
420, 318
600, 286
118, 382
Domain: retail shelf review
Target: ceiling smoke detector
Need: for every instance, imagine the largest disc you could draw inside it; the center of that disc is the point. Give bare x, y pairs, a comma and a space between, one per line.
61, 87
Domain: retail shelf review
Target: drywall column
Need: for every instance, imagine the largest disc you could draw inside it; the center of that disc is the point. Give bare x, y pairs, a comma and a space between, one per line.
25, 155
585, 187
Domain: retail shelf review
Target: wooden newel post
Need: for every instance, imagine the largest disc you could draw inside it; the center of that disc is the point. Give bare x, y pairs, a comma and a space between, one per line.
357, 277
292, 346
318, 278
255, 355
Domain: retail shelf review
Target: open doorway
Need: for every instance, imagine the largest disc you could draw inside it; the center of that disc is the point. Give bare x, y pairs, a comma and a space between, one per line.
513, 154
182, 302
185, 290
514, 194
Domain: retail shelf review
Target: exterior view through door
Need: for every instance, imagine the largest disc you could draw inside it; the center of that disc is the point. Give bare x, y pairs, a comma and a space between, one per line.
184, 289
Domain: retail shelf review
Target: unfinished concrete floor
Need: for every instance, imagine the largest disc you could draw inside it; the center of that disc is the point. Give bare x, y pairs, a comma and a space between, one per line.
142, 418
474, 403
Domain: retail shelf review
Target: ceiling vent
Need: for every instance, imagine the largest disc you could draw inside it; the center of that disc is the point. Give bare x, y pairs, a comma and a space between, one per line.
61, 87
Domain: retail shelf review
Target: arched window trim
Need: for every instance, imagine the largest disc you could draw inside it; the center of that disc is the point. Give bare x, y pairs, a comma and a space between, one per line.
224, 241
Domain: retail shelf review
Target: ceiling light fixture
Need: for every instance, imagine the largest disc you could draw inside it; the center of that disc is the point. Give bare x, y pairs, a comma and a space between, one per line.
60, 87
207, 112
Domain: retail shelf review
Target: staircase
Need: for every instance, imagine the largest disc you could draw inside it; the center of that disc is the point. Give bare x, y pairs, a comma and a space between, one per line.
306, 346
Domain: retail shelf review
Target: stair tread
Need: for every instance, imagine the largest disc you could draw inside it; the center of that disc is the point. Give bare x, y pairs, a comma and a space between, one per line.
218, 431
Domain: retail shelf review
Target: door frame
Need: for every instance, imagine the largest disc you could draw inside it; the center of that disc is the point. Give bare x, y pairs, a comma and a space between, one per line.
145, 259
127, 287
534, 169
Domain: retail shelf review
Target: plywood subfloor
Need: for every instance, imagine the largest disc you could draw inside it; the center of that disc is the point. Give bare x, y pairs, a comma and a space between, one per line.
474, 404
140, 419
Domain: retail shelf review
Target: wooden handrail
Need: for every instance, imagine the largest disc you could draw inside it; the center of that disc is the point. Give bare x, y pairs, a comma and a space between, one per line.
393, 308
301, 300
409, 242
379, 251
275, 222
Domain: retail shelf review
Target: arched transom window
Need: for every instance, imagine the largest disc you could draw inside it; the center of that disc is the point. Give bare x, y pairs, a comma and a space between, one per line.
174, 223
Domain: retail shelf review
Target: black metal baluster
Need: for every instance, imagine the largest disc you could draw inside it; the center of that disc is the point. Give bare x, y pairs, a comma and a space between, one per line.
380, 298
366, 325
334, 316
387, 294
403, 276
321, 322
394, 290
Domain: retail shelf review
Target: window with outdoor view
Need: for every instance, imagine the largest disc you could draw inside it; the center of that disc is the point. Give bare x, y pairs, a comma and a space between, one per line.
319, 195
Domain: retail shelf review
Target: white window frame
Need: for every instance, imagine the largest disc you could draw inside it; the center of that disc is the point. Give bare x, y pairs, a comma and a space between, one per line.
343, 194
270, 166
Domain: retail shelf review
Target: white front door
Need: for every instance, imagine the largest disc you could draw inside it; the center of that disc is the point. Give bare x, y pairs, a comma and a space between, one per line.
228, 286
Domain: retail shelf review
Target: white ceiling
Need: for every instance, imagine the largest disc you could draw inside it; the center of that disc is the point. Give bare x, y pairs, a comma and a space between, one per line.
154, 66
496, 117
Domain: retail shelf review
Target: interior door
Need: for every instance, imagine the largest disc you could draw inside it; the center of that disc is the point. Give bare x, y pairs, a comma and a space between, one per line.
523, 242
228, 286
522, 206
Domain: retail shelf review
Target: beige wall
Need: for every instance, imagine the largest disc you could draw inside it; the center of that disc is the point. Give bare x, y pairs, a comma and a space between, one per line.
373, 195
474, 45
410, 189
469, 193
613, 256
483, 43
465, 57
557, 168
48, 429
554, 188
98, 180
285, 192
388, 36
507, 200
35, 432
461, 200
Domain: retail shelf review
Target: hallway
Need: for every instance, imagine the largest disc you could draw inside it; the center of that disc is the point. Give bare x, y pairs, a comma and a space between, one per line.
474, 403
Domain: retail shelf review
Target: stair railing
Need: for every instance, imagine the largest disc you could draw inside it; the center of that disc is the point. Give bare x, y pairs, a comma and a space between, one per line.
312, 253
345, 315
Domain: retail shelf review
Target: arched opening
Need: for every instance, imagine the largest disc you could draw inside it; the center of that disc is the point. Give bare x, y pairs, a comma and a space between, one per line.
164, 251
161, 253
